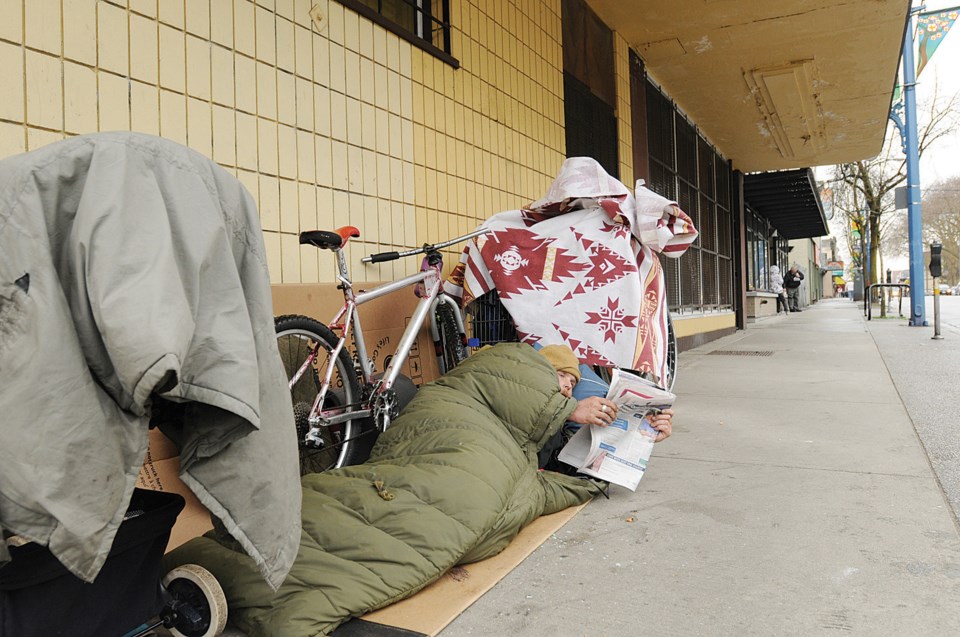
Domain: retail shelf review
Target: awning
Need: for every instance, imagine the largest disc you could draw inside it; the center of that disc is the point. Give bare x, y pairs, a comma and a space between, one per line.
790, 199
838, 280
775, 84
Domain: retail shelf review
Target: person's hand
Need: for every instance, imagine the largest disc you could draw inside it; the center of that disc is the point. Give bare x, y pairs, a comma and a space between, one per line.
594, 410
663, 423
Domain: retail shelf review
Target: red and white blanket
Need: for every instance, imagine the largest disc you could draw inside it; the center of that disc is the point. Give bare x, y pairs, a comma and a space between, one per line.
580, 267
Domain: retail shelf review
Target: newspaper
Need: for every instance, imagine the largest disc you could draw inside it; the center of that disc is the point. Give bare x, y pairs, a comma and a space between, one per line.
619, 452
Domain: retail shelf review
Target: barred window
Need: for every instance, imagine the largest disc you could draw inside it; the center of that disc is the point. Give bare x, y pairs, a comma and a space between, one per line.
686, 168
424, 23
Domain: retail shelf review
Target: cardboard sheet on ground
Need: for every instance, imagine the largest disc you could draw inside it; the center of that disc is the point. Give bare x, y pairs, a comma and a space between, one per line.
430, 610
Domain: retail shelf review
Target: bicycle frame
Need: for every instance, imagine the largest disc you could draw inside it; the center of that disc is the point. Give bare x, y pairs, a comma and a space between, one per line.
348, 318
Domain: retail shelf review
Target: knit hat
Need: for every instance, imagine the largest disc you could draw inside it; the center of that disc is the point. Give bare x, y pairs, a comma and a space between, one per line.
563, 359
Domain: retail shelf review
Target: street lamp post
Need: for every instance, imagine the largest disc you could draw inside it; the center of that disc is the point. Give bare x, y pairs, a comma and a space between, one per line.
914, 220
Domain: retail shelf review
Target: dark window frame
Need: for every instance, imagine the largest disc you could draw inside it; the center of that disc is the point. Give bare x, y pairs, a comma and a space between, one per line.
418, 40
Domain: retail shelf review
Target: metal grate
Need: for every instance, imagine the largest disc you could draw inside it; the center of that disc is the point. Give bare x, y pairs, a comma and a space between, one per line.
686, 168
741, 352
691, 291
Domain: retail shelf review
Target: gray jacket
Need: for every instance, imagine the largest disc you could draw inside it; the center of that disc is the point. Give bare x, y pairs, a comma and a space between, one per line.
131, 267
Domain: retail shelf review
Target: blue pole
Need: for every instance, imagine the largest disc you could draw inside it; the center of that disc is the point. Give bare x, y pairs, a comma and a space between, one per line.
914, 219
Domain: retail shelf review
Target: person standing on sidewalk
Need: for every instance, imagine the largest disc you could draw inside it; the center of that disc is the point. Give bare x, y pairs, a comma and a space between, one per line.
791, 281
776, 286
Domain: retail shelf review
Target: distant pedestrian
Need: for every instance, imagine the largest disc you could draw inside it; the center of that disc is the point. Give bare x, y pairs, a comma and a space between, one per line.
776, 286
791, 281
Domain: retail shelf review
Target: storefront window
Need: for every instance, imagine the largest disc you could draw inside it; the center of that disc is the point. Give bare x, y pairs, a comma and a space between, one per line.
763, 250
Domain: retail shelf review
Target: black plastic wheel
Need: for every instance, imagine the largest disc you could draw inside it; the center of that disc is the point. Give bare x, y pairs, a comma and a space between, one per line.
201, 604
454, 351
296, 338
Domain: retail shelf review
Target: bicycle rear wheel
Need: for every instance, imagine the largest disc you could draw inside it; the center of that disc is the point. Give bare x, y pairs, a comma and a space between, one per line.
672, 353
453, 351
345, 442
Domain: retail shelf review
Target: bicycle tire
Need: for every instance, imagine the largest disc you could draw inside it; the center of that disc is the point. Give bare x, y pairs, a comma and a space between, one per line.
453, 351
344, 444
672, 353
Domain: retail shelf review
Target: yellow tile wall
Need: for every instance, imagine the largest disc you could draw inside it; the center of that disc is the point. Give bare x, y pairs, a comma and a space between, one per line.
339, 124
488, 136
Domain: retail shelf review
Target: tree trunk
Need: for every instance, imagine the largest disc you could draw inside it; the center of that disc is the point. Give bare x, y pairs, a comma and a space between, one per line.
874, 256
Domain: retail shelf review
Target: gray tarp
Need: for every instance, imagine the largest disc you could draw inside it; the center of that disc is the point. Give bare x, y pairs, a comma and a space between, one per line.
131, 265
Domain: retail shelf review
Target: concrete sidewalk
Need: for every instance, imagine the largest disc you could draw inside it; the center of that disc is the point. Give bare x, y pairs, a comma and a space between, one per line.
925, 372
795, 498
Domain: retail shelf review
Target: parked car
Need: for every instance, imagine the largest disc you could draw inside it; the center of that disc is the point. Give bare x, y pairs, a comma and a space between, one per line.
945, 290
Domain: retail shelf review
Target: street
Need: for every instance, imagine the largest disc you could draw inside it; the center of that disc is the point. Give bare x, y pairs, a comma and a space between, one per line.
949, 312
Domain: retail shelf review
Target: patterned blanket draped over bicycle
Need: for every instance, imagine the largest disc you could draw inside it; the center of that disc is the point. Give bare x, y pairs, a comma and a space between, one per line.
580, 267
452, 481
132, 267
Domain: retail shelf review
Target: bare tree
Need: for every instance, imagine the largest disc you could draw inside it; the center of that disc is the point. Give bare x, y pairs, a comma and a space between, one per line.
863, 190
941, 223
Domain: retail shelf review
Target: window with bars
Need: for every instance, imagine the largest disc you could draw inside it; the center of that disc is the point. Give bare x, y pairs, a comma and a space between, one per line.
686, 168
424, 23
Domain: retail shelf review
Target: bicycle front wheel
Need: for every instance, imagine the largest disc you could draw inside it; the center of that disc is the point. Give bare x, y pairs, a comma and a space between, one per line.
452, 350
297, 337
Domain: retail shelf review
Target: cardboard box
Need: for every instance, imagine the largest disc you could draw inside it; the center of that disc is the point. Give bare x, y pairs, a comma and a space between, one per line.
433, 608
384, 321
161, 472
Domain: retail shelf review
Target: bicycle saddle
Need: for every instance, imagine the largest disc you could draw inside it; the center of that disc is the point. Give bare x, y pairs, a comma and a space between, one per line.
326, 240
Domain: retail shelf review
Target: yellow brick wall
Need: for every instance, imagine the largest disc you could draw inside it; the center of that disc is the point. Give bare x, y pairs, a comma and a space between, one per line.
327, 122
487, 136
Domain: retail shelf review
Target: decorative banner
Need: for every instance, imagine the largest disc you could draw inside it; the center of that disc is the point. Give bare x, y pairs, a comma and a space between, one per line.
932, 28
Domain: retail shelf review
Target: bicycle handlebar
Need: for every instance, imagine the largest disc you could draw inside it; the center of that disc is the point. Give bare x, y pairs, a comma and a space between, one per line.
381, 256
394, 255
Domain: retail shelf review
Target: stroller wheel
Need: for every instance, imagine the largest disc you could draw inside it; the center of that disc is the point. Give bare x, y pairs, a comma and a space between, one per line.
203, 606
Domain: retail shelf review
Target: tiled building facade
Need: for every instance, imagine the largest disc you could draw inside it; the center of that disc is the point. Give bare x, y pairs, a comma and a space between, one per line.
332, 115
327, 118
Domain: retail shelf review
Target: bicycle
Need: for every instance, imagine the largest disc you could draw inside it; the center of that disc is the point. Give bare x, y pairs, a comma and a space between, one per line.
340, 405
